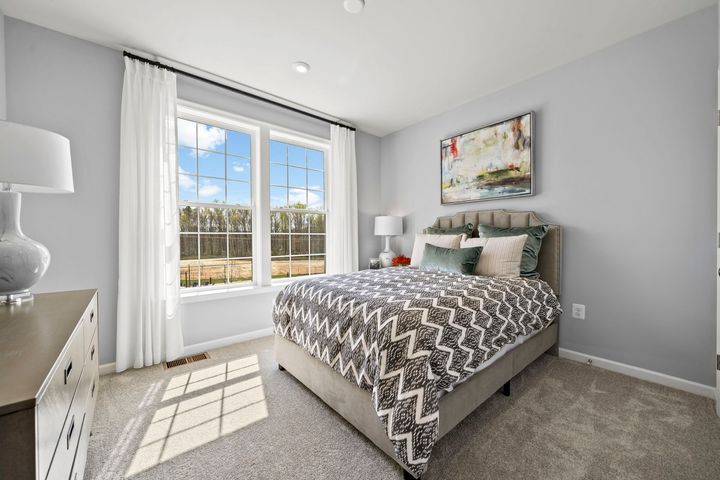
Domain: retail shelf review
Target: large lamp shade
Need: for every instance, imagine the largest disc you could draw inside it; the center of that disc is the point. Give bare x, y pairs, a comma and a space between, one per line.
34, 160
388, 225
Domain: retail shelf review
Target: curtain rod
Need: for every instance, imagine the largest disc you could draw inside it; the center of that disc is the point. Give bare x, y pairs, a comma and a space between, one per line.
234, 90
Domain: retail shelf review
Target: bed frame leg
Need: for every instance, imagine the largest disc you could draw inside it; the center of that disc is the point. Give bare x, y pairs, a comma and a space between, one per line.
506, 389
281, 368
409, 476
554, 350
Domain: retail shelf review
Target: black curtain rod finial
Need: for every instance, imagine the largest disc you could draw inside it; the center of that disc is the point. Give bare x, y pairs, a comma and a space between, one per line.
234, 90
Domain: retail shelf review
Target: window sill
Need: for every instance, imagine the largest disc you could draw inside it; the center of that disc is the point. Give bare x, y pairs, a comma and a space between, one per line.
225, 293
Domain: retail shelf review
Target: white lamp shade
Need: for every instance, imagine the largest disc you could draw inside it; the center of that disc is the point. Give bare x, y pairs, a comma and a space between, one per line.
34, 160
388, 225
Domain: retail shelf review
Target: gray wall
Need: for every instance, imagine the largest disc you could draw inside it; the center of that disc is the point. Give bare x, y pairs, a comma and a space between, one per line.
74, 87
626, 162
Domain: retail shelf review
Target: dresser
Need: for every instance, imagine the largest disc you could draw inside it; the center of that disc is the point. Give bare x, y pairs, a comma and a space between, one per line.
48, 385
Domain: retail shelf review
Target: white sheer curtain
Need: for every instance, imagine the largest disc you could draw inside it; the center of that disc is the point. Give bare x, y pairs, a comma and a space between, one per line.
342, 235
148, 322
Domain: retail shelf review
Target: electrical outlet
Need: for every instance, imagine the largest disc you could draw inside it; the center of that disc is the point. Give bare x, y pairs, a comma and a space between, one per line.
578, 311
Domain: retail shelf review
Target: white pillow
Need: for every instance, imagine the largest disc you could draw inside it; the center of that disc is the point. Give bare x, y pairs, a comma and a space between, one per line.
445, 241
500, 256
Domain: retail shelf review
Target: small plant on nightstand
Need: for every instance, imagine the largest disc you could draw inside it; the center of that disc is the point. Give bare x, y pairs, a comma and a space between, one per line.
400, 261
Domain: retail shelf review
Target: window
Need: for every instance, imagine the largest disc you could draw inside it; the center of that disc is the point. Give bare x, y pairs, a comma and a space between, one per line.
214, 178
252, 201
297, 216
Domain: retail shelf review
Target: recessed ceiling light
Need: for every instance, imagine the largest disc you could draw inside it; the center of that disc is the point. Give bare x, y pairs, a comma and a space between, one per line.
354, 6
301, 67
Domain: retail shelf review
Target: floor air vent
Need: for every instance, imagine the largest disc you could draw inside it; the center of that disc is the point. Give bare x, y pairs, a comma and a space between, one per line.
186, 360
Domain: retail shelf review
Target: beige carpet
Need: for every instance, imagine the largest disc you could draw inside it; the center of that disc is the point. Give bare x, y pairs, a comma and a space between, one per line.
236, 416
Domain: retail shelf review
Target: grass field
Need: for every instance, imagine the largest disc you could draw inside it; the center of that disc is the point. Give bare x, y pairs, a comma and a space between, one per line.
214, 272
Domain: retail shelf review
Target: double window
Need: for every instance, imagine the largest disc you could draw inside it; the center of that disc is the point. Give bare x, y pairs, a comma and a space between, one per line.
240, 182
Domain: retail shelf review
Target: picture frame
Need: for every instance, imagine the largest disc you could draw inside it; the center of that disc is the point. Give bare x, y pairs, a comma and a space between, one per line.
492, 162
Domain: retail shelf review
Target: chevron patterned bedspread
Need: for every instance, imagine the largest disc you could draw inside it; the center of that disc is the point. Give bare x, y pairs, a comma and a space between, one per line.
406, 335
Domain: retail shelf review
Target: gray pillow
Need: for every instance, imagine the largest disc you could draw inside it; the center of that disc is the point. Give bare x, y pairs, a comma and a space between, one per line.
456, 260
531, 250
467, 229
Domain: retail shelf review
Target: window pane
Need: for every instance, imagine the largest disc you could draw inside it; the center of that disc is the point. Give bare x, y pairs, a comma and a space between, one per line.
279, 222
278, 152
239, 220
238, 168
211, 138
316, 200
296, 156
211, 164
188, 219
299, 266
299, 222
279, 244
317, 264
238, 193
278, 197
188, 188
297, 177
212, 220
315, 159
238, 143
316, 180
186, 133
278, 174
187, 162
213, 246
189, 273
297, 198
299, 244
212, 190
188, 247
213, 272
240, 245
280, 267
317, 243
317, 223
240, 270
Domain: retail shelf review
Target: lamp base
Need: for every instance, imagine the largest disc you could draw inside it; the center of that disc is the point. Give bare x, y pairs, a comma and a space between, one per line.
16, 298
386, 258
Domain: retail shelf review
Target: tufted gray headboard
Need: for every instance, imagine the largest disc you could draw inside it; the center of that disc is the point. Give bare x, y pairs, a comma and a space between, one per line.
550, 259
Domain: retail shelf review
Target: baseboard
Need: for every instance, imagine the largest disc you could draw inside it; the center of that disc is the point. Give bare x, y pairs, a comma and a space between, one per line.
641, 373
224, 342
108, 368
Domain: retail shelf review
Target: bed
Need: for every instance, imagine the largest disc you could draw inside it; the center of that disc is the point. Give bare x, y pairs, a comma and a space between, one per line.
405, 355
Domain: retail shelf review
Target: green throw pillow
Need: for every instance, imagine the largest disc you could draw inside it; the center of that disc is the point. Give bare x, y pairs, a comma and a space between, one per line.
451, 231
531, 250
456, 260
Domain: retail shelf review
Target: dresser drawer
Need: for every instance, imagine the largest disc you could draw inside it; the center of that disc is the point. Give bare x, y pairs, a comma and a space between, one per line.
78, 468
53, 406
90, 319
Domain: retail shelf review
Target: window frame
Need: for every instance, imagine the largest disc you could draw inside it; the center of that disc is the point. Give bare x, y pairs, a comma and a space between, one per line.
260, 133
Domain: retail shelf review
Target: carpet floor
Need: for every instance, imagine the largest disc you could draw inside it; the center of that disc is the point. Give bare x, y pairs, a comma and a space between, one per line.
236, 416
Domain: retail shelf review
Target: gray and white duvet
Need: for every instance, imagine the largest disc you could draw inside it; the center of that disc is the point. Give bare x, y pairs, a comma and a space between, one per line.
407, 335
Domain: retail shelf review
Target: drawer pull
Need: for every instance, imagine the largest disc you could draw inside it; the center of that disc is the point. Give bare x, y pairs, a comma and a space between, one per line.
92, 352
71, 429
68, 369
92, 315
92, 390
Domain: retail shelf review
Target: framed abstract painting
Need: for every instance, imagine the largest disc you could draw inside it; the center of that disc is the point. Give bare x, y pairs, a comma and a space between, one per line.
491, 162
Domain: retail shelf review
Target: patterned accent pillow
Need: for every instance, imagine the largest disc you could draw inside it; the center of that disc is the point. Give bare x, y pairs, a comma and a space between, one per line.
466, 229
532, 245
501, 256
454, 260
445, 241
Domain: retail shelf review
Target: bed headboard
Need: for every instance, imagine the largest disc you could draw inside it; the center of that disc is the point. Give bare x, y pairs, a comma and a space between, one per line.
550, 259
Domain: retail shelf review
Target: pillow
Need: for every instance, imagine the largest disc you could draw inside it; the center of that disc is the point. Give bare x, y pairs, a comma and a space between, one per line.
501, 256
467, 229
455, 260
532, 244
446, 241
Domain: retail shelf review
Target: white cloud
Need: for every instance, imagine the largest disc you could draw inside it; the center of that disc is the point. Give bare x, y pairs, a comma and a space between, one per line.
186, 132
186, 183
210, 138
209, 190
238, 168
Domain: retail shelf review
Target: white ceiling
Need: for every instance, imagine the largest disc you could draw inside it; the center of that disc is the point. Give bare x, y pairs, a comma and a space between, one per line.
394, 64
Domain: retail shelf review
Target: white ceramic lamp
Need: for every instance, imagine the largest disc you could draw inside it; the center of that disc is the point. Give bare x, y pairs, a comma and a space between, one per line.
388, 226
32, 160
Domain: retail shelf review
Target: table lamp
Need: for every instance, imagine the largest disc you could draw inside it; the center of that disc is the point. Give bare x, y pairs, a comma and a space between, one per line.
32, 160
388, 226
